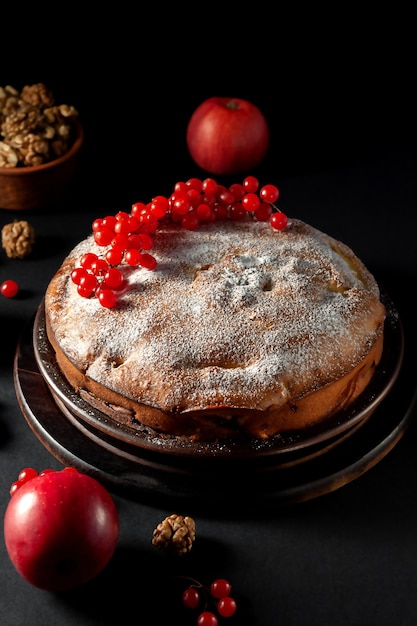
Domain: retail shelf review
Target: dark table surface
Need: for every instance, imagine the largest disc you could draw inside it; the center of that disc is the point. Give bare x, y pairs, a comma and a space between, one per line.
345, 557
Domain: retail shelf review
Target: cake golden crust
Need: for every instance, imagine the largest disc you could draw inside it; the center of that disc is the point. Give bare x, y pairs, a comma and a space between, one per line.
240, 329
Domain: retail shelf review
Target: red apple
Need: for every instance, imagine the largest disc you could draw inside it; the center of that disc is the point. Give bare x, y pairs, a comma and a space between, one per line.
60, 528
227, 136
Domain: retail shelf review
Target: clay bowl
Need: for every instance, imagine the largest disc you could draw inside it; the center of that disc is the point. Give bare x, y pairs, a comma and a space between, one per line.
40, 185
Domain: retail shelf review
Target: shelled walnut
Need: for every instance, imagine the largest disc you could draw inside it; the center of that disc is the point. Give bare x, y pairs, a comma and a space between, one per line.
17, 239
175, 533
33, 130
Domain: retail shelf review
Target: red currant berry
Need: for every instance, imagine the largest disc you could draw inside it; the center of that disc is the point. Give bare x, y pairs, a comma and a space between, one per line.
121, 216
139, 209
226, 606
149, 224
194, 183
207, 618
97, 224
190, 598
193, 196
237, 190
133, 257
209, 186
103, 237
237, 212
88, 282
9, 288
88, 259
146, 241
114, 256
77, 274
210, 199
147, 261
133, 223
278, 220
134, 240
250, 184
109, 222
204, 212
227, 197
83, 292
122, 227
159, 206
263, 212
113, 278
220, 588
269, 193
180, 187
107, 298
250, 202
220, 211
181, 206
120, 241
99, 267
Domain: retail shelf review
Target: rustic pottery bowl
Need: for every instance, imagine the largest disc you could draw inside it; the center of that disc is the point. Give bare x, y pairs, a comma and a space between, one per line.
35, 186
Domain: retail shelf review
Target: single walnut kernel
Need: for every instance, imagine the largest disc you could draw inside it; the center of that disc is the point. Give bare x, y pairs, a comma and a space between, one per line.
17, 239
175, 533
37, 95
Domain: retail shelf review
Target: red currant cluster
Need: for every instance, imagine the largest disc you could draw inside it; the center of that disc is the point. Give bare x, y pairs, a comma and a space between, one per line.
129, 236
28, 473
197, 595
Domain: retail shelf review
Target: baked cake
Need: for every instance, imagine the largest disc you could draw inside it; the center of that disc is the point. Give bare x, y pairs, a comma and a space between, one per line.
239, 331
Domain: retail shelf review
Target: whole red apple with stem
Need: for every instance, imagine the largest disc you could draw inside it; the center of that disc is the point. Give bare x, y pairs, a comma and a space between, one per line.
227, 136
60, 528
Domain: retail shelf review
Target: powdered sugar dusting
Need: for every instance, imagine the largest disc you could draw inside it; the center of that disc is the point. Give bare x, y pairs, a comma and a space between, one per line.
235, 315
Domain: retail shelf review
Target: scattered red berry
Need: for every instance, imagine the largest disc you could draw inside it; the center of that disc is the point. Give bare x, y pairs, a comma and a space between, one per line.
190, 598
220, 588
226, 606
128, 237
9, 288
207, 618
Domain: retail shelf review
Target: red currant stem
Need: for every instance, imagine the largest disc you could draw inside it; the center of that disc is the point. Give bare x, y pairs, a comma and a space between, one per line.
193, 581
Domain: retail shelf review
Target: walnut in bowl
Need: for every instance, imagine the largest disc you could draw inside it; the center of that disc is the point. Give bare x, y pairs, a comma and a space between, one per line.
39, 147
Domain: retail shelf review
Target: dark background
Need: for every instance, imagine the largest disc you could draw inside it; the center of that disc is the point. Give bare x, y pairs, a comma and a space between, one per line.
337, 88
